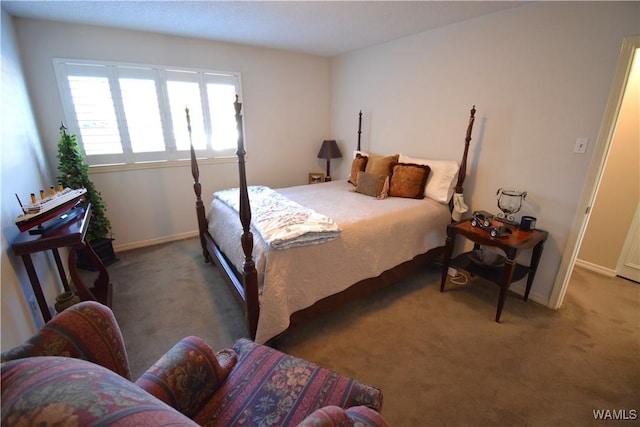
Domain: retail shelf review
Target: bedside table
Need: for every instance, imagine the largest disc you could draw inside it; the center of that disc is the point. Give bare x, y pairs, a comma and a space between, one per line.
512, 245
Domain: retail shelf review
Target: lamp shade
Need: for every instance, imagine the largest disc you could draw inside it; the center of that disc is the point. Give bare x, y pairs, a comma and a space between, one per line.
329, 150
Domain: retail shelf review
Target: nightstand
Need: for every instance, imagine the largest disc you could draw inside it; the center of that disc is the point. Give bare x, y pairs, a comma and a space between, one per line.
512, 245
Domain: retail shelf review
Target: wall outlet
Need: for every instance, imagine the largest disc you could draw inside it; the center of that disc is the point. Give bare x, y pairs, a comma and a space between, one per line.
33, 305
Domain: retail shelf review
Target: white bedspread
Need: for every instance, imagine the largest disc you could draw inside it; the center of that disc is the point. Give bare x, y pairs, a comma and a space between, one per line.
376, 236
281, 222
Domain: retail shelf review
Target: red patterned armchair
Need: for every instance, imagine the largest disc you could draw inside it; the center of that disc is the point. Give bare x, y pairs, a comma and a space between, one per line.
75, 371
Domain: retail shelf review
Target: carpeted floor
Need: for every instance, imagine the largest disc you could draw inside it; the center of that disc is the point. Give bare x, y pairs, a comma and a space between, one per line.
439, 358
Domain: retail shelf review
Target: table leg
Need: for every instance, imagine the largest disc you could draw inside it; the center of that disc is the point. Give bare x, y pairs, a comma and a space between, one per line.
63, 275
533, 267
83, 292
101, 289
507, 275
37, 289
448, 250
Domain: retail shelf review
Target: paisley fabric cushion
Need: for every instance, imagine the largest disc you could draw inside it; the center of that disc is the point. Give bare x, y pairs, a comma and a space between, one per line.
365, 416
87, 331
334, 416
188, 375
268, 387
63, 391
329, 416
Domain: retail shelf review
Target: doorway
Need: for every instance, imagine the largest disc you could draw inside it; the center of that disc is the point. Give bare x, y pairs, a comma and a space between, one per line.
618, 192
603, 144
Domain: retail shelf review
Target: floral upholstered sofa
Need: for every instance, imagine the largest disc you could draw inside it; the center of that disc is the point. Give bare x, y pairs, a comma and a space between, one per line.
75, 371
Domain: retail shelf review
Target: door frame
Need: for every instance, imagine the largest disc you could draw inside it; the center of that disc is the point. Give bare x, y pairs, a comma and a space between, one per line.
625, 268
594, 176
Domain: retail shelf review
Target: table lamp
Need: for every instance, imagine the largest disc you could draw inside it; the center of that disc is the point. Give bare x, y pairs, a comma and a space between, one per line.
329, 150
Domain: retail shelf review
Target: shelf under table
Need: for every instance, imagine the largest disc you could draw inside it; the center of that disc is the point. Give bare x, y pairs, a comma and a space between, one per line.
493, 274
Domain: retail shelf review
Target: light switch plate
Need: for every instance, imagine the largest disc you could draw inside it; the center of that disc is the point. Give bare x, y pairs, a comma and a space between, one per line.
581, 145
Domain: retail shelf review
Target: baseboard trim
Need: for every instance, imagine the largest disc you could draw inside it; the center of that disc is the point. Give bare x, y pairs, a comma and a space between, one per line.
596, 268
152, 242
520, 287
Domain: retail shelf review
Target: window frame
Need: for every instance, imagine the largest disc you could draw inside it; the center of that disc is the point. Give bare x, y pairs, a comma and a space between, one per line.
112, 71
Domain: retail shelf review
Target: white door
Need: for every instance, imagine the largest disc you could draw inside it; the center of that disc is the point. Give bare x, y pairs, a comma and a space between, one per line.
629, 262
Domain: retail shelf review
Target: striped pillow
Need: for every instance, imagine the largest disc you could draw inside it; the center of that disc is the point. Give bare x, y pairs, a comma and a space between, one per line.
373, 185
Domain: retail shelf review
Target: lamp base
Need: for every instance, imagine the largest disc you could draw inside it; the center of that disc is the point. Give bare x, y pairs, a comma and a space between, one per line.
508, 222
327, 179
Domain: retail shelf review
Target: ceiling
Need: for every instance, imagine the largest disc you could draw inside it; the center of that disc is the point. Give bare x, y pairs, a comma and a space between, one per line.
325, 28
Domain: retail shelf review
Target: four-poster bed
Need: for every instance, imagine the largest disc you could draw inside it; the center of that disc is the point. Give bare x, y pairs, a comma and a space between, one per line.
379, 243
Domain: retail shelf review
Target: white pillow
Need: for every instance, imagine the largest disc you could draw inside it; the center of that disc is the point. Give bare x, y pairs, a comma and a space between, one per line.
442, 179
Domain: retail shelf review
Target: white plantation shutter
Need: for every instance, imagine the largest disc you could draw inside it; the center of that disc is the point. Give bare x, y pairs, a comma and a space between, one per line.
222, 116
139, 92
133, 113
184, 91
94, 110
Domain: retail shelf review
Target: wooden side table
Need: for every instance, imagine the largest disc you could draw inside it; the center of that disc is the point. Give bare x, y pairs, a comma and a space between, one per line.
72, 235
512, 245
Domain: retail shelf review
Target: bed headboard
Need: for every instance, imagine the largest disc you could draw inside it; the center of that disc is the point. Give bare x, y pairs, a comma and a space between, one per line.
462, 172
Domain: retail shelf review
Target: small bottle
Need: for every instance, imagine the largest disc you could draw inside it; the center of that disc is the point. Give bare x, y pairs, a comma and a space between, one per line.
42, 195
33, 199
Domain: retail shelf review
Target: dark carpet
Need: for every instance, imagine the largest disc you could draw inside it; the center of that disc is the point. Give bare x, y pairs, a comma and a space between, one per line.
439, 358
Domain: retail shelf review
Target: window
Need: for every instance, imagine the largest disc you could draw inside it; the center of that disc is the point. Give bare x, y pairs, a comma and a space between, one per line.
134, 113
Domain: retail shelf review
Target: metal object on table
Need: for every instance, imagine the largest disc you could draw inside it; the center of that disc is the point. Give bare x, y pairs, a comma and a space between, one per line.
509, 202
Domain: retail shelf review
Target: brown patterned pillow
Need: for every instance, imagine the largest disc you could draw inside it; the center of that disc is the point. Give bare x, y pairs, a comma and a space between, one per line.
408, 180
380, 165
373, 185
359, 163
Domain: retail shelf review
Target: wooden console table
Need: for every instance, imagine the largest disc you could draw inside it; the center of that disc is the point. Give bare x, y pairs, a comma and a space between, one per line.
71, 235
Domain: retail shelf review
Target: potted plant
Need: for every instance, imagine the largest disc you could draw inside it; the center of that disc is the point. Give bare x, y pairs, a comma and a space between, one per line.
74, 173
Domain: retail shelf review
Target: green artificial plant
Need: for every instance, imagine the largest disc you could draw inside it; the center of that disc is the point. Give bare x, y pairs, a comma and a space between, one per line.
74, 173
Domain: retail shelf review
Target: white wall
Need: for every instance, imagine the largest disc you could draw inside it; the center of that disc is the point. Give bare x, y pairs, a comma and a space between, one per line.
286, 107
539, 76
286, 99
24, 168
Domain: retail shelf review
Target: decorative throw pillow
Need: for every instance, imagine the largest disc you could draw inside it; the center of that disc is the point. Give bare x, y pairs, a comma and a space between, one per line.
408, 180
359, 163
442, 179
380, 165
373, 185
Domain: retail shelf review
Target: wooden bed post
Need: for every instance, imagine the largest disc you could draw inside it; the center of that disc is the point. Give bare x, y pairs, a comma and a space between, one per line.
462, 173
197, 188
359, 128
249, 273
